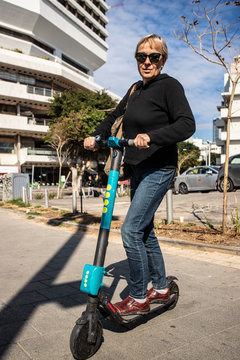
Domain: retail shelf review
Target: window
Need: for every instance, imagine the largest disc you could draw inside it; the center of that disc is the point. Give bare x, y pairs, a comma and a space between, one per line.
26, 80
236, 160
48, 92
25, 37
4, 75
71, 9
88, 9
192, 172
63, 2
8, 109
80, 17
39, 91
6, 146
73, 63
204, 171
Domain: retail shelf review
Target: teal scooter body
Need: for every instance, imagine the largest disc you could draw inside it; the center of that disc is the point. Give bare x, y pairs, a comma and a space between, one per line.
86, 336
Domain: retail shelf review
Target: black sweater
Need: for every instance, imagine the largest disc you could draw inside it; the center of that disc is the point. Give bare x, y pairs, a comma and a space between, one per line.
160, 109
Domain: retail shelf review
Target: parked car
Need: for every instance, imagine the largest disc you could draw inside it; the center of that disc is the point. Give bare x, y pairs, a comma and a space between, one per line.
199, 178
233, 174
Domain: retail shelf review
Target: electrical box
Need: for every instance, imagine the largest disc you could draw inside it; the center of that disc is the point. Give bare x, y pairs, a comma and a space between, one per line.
13, 185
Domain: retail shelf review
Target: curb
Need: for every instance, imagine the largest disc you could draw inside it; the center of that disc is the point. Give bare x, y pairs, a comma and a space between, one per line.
172, 241
224, 249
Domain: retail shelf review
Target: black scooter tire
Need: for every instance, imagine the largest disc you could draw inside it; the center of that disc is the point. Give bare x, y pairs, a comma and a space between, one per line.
79, 345
174, 290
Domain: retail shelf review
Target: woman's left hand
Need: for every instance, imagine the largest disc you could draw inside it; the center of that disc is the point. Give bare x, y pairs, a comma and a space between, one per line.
142, 141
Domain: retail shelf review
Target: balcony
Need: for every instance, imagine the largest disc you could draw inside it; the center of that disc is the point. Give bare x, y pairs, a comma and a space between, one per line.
40, 157
8, 159
235, 111
41, 152
42, 91
20, 92
22, 125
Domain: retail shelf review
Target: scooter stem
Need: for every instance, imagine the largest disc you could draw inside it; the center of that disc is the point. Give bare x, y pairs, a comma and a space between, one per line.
109, 201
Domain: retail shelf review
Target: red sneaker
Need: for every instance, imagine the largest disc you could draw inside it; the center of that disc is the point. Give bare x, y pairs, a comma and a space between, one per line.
155, 297
131, 307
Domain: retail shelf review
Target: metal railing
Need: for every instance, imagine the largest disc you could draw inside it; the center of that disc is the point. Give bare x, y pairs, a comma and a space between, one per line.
41, 152
42, 91
36, 121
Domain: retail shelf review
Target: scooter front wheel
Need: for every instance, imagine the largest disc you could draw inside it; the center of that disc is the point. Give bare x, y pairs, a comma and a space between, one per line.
80, 347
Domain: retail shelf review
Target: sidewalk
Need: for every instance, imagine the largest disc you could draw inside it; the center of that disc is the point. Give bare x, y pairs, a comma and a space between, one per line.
41, 269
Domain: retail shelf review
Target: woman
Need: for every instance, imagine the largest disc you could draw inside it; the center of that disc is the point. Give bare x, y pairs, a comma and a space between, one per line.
157, 116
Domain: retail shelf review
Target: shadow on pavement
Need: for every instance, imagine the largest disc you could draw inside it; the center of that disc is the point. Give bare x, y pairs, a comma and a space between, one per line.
21, 307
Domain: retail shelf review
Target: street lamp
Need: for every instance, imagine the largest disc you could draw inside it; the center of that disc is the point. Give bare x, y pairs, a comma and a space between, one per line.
209, 152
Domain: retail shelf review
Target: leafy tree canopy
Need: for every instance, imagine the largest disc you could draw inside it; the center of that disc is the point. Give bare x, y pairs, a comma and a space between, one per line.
188, 156
76, 100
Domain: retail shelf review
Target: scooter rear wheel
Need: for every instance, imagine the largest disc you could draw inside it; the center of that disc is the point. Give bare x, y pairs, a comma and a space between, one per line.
174, 293
80, 347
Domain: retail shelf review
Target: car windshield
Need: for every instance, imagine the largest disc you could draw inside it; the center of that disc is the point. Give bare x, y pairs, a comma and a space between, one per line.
215, 168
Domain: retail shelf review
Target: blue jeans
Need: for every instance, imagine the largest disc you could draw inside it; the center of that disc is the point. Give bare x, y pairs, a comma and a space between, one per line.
148, 187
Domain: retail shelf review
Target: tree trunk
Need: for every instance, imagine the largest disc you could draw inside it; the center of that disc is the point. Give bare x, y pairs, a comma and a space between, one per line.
61, 189
224, 219
59, 180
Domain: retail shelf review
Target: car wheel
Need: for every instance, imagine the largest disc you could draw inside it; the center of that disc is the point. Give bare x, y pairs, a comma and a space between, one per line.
183, 189
230, 186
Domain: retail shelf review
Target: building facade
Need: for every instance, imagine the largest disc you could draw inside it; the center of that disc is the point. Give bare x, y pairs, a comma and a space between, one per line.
234, 146
206, 149
46, 47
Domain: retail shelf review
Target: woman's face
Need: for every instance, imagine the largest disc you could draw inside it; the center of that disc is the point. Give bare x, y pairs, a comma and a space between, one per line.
147, 69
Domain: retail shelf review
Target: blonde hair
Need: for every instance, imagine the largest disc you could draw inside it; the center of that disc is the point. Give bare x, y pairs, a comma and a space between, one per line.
155, 41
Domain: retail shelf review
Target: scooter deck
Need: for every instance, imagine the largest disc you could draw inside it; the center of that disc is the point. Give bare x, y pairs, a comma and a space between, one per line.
108, 311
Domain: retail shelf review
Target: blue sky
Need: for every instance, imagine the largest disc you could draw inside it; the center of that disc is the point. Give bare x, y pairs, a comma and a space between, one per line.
202, 81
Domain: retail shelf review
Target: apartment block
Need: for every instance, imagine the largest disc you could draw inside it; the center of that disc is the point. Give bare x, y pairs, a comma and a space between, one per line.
46, 47
234, 146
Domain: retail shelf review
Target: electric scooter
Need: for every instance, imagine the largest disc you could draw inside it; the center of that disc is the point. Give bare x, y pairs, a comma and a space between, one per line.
86, 336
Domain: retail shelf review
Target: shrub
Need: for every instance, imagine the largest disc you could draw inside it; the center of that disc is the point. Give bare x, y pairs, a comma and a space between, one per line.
39, 196
18, 202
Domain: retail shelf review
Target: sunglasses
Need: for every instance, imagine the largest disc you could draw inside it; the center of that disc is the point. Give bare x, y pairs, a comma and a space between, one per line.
153, 57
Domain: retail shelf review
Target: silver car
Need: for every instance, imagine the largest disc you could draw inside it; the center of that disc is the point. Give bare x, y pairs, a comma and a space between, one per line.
199, 178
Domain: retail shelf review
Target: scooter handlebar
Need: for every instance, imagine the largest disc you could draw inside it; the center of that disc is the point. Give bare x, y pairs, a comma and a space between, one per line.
131, 142
112, 142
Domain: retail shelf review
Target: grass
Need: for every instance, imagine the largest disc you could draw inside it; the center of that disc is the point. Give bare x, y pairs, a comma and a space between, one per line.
190, 224
34, 213
18, 202
63, 212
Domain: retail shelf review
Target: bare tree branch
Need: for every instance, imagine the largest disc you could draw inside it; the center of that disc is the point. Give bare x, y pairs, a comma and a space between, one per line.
221, 37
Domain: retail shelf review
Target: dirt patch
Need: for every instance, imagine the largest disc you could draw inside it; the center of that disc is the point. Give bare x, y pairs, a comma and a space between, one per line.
187, 232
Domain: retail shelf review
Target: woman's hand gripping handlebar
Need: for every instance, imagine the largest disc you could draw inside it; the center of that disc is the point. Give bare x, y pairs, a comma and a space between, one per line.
112, 142
94, 143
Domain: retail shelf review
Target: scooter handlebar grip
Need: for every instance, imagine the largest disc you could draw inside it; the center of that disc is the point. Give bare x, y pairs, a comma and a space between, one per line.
131, 142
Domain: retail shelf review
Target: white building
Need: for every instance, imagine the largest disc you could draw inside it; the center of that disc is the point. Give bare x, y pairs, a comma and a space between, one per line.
234, 146
206, 148
46, 46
